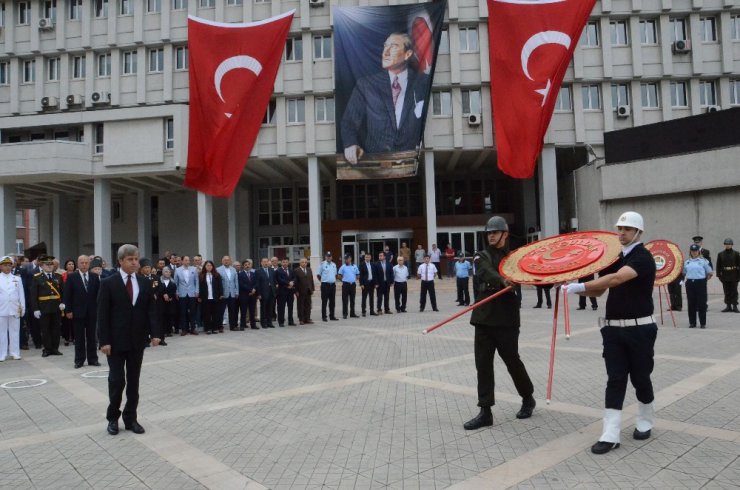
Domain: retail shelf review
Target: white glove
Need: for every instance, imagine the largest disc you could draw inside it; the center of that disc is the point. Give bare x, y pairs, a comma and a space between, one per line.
574, 288
37, 314
61, 307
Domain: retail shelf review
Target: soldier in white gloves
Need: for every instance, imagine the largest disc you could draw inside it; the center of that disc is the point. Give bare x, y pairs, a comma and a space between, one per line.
628, 331
45, 298
12, 309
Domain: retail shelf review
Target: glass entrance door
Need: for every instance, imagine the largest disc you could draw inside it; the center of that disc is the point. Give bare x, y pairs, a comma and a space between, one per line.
374, 242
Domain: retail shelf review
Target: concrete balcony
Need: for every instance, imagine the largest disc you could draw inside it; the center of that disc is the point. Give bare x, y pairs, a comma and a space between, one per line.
44, 160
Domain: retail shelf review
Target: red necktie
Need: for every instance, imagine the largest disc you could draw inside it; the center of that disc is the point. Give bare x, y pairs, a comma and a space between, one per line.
395, 90
130, 289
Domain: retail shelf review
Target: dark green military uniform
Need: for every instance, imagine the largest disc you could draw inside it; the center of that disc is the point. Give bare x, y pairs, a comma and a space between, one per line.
46, 296
728, 272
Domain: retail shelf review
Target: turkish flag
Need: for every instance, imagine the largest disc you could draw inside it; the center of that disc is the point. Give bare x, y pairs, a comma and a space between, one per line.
421, 31
232, 74
531, 44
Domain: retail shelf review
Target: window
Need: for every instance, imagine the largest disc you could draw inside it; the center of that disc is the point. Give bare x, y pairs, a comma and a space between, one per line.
49, 10
471, 102
127, 7
708, 29
29, 71
78, 67
19, 246
4, 73
735, 27
679, 94
564, 101
324, 109
275, 207
129, 63
618, 32
98, 139
468, 39
179, 4
378, 200
591, 99
707, 93
620, 95
735, 92
233, 2
52, 69
101, 8
24, 13
590, 35
678, 30
153, 6
207, 3
104, 65
75, 9
648, 31
294, 49
296, 110
269, 118
441, 103
181, 58
649, 95
169, 134
322, 47
19, 221
444, 42
156, 60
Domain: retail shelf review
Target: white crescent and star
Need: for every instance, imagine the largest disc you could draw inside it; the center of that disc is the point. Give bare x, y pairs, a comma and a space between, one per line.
534, 42
243, 62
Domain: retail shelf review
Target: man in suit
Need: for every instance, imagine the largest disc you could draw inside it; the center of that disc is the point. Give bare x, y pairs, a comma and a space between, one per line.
127, 316
81, 301
285, 280
368, 283
186, 280
384, 113
247, 296
47, 303
384, 279
230, 284
266, 292
304, 289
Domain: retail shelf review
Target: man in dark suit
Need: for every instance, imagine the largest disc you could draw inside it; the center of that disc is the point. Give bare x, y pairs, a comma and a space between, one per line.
368, 283
384, 113
126, 317
384, 279
81, 301
285, 279
304, 289
266, 292
247, 296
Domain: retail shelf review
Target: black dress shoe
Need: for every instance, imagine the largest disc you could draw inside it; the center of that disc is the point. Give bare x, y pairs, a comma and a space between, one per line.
113, 427
388, 312
594, 307
726, 310
435, 309
291, 324
528, 405
354, 316
483, 419
602, 447
135, 427
281, 325
44, 354
692, 326
344, 317
96, 363
78, 365
363, 313
334, 319
537, 306
581, 308
641, 436
56, 353
373, 314
254, 327
162, 342
703, 326
325, 319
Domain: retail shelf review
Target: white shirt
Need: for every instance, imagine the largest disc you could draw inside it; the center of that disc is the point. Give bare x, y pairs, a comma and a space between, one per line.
369, 266
427, 272
435, 254
134, 284
403, 80
209, 282
400, 273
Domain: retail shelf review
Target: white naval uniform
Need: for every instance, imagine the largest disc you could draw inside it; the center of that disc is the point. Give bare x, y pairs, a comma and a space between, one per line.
12, 308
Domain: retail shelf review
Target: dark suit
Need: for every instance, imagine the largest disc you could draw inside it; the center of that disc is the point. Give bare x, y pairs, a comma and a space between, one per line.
384, 279
210, 308
370, 118
305, 288
247, 298
367, 285
33, 324
82, 302
126, 328
285, 294
266, 292
167, 309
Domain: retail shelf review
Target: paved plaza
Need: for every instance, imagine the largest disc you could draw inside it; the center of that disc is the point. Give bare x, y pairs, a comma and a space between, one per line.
372, 403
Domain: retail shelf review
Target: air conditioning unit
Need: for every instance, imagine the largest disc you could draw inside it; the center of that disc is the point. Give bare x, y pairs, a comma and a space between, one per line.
713, 108
49, 102
46, 24
682, 46
623, 111
316, 3
100, 98
74, 99
473, 120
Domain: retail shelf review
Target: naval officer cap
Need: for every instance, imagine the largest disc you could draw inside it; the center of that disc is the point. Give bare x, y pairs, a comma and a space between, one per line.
328, 253
6, 259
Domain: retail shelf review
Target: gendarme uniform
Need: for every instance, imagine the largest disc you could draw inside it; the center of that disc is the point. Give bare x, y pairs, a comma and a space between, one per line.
12, 308
728, 272
45, 298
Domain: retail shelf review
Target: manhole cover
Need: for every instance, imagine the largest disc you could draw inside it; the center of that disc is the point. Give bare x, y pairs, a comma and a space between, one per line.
100, 373
23, 383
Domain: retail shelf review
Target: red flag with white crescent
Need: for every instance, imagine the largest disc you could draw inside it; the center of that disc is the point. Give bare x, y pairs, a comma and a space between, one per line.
232, 74
531, 44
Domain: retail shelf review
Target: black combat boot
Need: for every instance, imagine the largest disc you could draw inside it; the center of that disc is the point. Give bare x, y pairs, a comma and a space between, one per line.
727, 309
483, 419
528, 405
734, 309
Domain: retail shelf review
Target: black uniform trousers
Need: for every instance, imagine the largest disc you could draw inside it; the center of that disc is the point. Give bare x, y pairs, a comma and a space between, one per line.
328, 293
427, 287
86, 341
628, 352
730, 289
546, 290
349, 292
368, 292
168, 312
582, 302
463, 292
400, 294
488, 340
696, 296
228, 304
187, 307
51, 329
266, 307
285, 298
247, 304
384, 293
124, 370
209, 310
674, 293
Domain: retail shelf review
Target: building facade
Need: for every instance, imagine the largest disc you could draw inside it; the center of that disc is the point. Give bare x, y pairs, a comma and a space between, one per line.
94, 127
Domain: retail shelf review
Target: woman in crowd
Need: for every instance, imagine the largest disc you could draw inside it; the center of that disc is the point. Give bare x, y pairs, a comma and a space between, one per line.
68, 330
209, 295
697, 271
166, 291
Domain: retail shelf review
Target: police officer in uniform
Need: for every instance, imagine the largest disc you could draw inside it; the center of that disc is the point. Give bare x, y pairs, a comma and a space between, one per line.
47, 305
497, 328
349, 273
628, 331
328, 277
728, 272
698, 240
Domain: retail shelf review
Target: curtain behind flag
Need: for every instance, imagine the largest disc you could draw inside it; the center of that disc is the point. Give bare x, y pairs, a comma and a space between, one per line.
531, 44
384, 64
232, 73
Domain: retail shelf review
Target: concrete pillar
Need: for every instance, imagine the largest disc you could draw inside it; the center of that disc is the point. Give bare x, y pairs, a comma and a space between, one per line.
144, 223
205, 226
431, 200
314, 212
247, 237
56, 228
102, 220
232, 217
7, 219
549, 222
